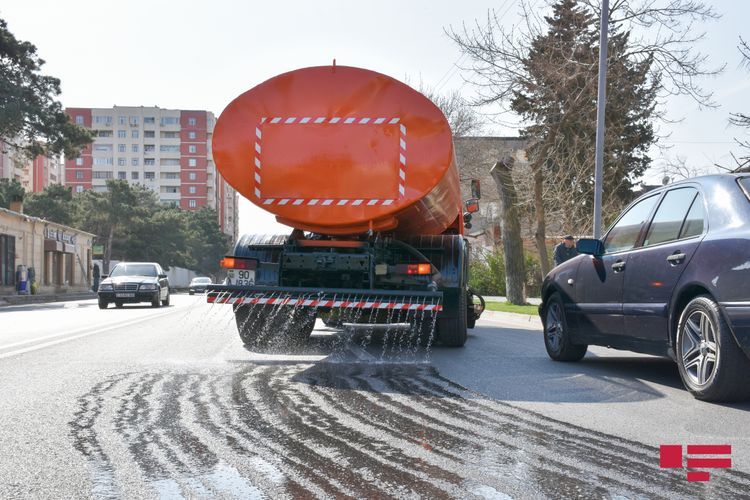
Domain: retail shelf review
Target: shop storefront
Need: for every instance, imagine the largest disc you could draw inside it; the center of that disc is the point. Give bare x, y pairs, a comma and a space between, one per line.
54, 257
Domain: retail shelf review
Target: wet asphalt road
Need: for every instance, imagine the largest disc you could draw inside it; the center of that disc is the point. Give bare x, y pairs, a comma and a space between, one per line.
166, 403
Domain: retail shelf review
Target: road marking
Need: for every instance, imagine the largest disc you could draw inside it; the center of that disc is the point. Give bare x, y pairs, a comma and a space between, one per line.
87, 332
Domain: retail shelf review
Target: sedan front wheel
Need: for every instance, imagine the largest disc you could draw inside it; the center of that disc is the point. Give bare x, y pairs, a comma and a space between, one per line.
557, 335
711, 364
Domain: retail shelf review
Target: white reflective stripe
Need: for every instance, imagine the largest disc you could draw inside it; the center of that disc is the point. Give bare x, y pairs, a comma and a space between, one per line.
257, 147
291, 119
413, 306
305, 119
349, 120
402, 159
257, 178
276, 120
263, 120
257, 133
312, 202
384, 305
337, 303
257, 162
308, 302
379, 121
335, 119
327, 202
320, 119
372, 202
364, 120
387, 202
357, 202
402, 174
298, 202
343, 202
284, 201
403, 129
257, 193
403, 144
393, 120
269, 201
401, 189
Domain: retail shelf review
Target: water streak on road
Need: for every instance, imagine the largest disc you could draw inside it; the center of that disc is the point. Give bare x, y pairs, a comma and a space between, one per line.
357, 430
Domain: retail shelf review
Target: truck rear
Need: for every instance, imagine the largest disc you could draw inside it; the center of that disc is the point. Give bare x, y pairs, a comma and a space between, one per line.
363, 168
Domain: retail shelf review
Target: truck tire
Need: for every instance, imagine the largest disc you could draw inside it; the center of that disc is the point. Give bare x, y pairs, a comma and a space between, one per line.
452, 331
266, 329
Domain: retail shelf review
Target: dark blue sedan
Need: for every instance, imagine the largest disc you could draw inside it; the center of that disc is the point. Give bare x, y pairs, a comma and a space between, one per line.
671, 277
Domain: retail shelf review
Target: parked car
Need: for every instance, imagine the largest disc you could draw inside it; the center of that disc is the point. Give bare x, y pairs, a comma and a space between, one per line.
198, 285
133, 282
671, 277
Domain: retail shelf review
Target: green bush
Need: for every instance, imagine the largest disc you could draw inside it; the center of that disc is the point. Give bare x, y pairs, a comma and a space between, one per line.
487, 273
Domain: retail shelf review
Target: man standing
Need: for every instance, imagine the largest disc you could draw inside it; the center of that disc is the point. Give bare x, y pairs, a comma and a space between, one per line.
565, 250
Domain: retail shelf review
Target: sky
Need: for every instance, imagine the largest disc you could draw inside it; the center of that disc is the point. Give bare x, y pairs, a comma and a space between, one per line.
193, 54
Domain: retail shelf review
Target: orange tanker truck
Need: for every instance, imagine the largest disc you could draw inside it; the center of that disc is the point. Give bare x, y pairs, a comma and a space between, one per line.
362, 167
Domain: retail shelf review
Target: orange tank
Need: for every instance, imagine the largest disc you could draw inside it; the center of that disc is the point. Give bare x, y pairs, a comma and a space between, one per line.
340, 150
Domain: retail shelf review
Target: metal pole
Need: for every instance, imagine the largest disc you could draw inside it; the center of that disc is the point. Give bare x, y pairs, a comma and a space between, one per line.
601, 104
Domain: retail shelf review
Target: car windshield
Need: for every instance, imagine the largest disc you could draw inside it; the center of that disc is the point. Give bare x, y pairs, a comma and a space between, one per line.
201, 280
134, 270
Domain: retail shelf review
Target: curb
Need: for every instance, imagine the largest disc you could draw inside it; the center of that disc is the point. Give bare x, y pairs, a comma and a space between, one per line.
524, 320
19, 300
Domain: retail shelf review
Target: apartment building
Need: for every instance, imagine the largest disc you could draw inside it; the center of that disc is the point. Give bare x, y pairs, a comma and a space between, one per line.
34, 175
166, 150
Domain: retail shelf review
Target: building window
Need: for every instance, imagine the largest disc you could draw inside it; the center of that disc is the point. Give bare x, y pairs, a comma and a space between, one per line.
148, 134
149, 148
102, 148
122, 175
191, 190
170, 135
121, 148
79, 189
169, 120
192, 148
133, 121
191, 203
192, 122
103, 133
134, 176
135, 148
191, 135
79, 174
79, 161
192, 162
169, 149
121, 162
102, 120
104, 160
149, 176
170, 162
134, 134
122, 120
101, 174
79, 119
134, 162
149, 161
148, 120
122, 134
192, 176
170, 175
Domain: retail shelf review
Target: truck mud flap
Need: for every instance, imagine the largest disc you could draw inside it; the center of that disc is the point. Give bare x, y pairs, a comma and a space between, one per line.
326, 298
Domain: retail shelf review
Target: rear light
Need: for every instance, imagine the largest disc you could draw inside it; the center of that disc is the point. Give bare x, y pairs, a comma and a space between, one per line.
414, 269
238, 263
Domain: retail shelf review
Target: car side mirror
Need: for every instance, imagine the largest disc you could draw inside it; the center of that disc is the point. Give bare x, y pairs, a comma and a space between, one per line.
162, 276
590, 246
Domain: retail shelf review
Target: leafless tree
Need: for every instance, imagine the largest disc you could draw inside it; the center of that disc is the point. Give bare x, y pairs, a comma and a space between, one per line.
462, 116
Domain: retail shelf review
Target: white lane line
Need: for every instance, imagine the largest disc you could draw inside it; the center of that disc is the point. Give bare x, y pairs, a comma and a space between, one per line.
92, 331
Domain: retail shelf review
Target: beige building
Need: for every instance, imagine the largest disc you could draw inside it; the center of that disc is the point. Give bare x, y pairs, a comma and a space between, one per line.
60, 256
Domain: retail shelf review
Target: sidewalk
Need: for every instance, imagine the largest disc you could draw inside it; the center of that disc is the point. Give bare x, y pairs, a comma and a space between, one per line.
17, 300
519, 320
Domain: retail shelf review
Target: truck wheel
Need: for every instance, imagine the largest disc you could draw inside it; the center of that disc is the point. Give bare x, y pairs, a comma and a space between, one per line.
711, 364
557, 337
452, 331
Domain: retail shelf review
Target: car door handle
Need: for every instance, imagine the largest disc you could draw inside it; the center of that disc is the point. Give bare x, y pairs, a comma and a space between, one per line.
618, 266
676, 258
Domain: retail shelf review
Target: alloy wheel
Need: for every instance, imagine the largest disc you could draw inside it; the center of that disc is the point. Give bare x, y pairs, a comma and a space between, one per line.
699, 350
554, 327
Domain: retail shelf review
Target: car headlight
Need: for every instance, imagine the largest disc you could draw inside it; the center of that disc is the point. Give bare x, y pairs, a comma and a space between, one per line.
107, 287
148, 286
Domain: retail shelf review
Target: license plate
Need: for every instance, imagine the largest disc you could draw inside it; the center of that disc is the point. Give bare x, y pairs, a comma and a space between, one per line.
125, 295
241, 277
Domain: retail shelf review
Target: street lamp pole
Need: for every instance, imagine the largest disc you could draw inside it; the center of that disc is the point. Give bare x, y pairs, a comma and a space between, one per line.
601, 104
